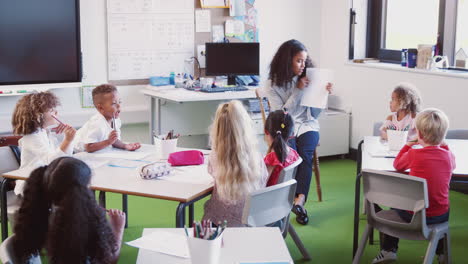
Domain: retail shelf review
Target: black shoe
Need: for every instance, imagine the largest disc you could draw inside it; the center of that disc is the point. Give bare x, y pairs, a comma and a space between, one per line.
301, 214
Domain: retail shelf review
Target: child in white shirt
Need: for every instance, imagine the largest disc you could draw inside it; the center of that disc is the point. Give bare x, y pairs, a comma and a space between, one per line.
405, 104
103, 129
33, 116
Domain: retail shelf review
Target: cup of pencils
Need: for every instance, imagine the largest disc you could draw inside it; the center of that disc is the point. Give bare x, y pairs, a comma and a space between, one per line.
396, 138
205, 242
167, 143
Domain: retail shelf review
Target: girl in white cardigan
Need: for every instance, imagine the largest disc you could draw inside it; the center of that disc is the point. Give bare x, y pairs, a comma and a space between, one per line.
33, 116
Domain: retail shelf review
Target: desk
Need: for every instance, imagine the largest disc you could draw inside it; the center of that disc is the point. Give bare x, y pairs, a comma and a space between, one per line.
365, 161
181, 95
248, 244
127, 181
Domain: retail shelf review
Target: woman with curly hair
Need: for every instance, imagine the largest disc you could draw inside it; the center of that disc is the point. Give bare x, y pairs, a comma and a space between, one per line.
284, 89
59, 213
405, 104
33, 116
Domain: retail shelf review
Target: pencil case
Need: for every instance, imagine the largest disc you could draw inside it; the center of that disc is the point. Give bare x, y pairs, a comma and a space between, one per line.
154, 170
186, 158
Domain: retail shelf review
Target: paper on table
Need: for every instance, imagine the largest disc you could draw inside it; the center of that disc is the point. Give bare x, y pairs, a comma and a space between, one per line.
164, 242
192, 174
202, 20
121, 154
315, 95
383, 153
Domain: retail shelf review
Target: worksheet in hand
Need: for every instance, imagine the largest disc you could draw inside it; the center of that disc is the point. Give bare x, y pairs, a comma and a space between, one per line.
148, 37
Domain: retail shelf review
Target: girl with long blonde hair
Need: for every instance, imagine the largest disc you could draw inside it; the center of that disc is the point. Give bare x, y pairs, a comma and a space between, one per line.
235, 164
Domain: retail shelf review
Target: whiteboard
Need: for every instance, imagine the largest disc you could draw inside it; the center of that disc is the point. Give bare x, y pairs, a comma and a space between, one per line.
148, 37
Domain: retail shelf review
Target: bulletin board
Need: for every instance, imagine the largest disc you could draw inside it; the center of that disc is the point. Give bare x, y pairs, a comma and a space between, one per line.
153, 37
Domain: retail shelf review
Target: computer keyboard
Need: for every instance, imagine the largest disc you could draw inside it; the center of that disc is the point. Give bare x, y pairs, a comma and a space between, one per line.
224, 89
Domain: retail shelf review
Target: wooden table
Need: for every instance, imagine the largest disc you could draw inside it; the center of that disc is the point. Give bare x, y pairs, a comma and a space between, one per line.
185, 185
366, 161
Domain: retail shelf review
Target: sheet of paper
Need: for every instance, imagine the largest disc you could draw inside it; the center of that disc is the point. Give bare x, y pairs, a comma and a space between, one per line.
237, 7
202, 20
163, 242
234, 28
316, 94
218, 33
192, 174
213, 3
121, 154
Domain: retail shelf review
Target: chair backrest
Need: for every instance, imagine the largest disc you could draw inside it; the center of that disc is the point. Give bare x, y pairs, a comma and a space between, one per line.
7, 255
9, 159
376, 129
399, 191
289, 172
269, 204
457, 134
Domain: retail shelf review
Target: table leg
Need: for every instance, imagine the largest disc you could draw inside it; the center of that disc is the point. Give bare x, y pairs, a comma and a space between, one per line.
357, 196
125, 208
4, 213
102, 199
155, 118
191, 214
180, 211
152, 117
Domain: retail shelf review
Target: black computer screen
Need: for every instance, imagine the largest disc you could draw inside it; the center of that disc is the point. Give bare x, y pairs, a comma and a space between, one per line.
39, 41
232, 59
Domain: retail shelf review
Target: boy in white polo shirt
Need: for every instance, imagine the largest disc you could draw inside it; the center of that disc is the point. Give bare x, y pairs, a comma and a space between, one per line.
102, 130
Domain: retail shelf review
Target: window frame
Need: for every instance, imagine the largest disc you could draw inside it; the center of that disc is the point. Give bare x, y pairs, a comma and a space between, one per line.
376, 29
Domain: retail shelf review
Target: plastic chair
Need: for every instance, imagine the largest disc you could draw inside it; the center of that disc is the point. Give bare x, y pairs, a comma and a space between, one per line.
404, 192
315, 166
271, 205
457, 134
7, 255
10, 157
376, 131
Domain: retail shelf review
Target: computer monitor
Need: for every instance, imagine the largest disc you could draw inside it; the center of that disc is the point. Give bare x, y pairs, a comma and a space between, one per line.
232, 59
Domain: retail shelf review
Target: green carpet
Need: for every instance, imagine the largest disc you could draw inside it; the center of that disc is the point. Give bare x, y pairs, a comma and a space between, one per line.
328, 236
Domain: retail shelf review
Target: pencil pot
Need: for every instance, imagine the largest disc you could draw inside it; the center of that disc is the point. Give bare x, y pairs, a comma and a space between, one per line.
165, 146
203, 251
396, 139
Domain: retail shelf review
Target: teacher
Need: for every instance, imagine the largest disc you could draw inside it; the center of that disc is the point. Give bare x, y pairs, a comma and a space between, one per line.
284, 89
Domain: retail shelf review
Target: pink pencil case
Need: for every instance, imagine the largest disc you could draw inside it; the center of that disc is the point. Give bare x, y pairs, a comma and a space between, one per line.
185, 158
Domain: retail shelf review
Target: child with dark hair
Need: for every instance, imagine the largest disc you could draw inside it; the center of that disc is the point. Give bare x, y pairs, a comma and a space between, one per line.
59, 213
284, 89
405, 104
103, 129
279, 127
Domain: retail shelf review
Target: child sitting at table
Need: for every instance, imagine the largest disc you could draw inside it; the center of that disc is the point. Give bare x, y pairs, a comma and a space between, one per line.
59, 213
33, 117
433, 162
279, 126
234, 162
103, 129
405, 104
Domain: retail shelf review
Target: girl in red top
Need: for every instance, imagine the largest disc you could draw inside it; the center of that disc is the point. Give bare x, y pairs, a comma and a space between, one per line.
279, 127
433, 162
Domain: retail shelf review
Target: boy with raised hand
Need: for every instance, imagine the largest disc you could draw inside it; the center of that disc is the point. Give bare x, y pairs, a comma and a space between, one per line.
102, 130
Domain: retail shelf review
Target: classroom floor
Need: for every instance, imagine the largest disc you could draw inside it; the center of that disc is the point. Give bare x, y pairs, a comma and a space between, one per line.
328, 236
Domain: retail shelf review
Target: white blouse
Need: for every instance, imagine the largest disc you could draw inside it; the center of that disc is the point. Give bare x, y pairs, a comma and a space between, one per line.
96, 129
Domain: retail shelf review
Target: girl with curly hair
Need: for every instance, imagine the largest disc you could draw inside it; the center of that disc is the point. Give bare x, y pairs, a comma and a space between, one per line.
405, 104
59, 213
33, 116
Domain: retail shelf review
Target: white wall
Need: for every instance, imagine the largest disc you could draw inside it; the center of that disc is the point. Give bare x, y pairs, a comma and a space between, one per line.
366, 91
279, 21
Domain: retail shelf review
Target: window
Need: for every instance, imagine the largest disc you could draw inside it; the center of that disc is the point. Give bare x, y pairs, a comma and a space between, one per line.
393, 25
406, 26
462, 26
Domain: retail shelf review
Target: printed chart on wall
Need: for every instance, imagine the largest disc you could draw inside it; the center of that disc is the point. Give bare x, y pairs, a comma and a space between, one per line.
148, 37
